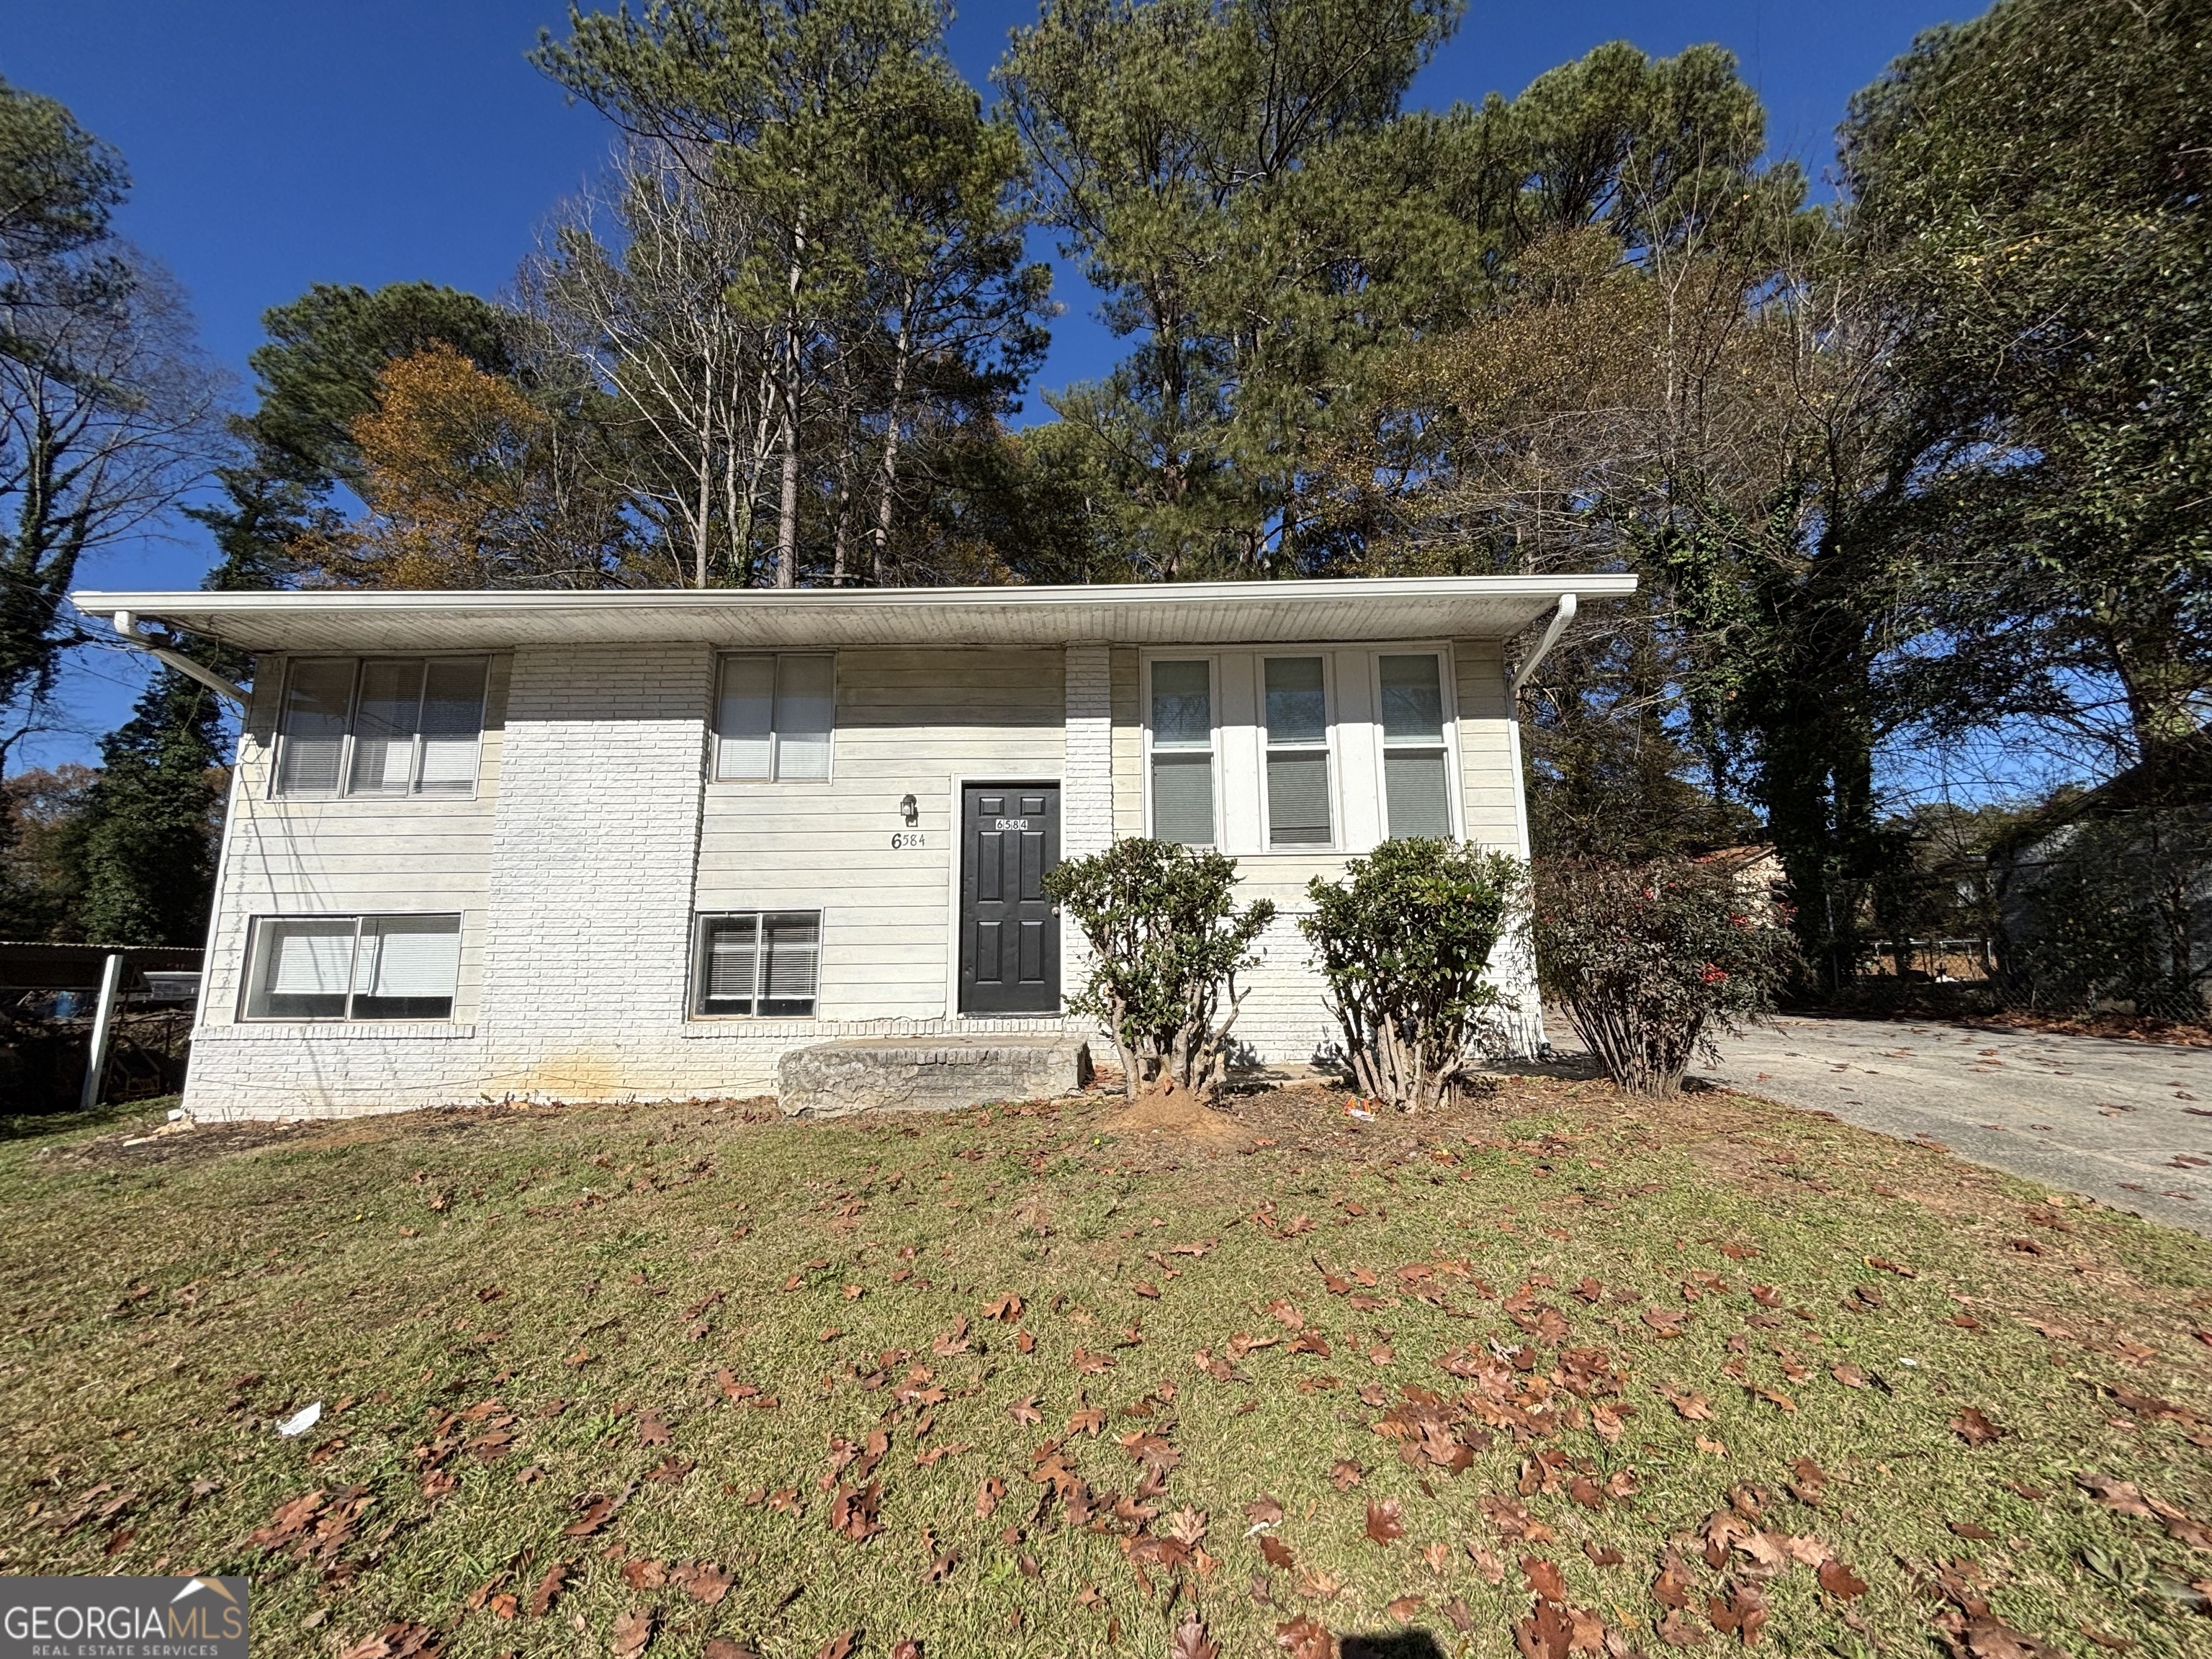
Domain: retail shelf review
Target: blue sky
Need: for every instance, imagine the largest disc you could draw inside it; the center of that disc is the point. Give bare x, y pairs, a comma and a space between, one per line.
274, 143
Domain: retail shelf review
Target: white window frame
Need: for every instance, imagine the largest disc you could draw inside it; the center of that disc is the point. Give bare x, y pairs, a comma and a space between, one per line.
255, 933
1327, 746
776, 756
696, 994
1213, 661
345, 791
1447, 689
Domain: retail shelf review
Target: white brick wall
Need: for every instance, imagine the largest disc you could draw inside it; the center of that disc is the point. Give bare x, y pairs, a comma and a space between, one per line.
1086, 801
585, 967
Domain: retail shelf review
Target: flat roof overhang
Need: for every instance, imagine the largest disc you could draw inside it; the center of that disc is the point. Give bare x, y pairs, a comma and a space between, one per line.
1179, 613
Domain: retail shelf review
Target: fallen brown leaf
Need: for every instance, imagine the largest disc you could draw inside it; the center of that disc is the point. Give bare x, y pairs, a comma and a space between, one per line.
631, 1634
1383, 1520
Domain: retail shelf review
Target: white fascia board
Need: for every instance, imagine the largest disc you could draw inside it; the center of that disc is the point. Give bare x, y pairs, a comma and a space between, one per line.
1224, 613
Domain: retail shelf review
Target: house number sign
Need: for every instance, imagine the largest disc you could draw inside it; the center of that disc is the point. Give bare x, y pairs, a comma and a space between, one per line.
909, 840
1011, 823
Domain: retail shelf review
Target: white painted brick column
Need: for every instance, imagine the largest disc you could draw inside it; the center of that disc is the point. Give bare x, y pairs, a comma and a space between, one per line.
1086, 801
1086, 793
587, 963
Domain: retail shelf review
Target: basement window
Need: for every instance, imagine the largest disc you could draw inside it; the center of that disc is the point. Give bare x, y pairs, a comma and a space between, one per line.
352, 968
759, 963
381, 726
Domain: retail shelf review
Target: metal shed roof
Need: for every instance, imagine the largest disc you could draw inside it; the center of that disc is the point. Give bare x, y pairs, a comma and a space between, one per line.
1182, 613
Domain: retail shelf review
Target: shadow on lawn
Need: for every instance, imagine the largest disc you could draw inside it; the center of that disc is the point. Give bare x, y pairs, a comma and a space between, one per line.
1402, 1645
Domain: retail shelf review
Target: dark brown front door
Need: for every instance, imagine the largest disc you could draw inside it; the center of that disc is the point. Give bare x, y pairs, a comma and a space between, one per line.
1009, 934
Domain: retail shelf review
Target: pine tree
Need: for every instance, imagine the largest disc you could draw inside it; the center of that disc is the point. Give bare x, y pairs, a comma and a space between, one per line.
151, 821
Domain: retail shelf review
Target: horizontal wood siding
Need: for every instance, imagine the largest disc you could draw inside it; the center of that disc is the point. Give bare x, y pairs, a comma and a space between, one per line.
1129, 746
361, 853
908, 722
1487, 748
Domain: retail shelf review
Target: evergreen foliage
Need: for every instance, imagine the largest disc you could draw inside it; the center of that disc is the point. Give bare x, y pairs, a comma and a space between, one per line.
1404, 943
2029, 206
1167, 941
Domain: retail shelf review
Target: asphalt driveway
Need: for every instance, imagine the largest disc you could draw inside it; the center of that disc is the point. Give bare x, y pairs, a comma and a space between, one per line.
2127, 1123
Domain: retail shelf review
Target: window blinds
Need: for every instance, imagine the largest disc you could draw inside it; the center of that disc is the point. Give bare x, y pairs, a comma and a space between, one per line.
1182, 753
1298, 812
387, 725
1417, 796
759, 963
774, 717
400, 967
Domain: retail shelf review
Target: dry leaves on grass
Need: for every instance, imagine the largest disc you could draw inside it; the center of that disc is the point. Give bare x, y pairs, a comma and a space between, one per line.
1741, 1612
1973, 1427
398, 1640
1305, 1638
548, 1589
1190, 1640
632, 1633
1385, 1522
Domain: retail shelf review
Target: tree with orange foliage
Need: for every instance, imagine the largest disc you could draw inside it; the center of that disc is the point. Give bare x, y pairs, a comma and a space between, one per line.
469, 482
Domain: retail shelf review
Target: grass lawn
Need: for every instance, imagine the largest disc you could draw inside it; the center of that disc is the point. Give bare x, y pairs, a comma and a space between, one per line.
1559, 1371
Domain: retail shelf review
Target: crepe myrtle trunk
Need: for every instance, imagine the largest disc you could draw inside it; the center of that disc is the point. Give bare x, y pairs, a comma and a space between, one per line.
1167, 941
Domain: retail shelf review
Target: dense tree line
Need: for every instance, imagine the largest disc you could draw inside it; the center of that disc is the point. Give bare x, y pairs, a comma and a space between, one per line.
1924, 462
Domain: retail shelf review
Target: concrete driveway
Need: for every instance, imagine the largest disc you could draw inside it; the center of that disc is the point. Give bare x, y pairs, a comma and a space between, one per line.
2128, 1124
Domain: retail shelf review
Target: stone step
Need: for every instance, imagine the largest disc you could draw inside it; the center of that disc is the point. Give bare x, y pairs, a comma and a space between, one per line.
935, 1073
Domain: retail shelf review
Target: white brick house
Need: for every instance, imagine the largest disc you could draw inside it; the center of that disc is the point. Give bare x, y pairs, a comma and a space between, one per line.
642, 843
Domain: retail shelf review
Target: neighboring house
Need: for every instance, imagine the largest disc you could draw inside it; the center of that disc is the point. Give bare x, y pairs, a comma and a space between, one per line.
644, 844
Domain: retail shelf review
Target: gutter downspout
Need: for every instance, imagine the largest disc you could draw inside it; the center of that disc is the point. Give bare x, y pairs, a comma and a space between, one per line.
1560, 618
126, 624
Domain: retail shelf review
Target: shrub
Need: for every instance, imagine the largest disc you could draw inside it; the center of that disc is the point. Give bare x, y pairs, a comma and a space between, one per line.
1649, 960
1403, 941
1167, 941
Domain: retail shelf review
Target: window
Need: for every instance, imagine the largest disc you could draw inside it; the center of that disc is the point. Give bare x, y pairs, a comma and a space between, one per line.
353, 968
1182, 753
774, 716
1416, 790
1297, 753
757, 962
386, 725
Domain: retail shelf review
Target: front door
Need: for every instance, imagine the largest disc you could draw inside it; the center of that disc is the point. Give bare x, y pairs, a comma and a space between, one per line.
1009, 931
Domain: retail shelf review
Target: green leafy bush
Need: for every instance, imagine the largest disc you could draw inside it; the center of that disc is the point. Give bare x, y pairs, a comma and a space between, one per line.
1403, 941
1167, 942
1649, 960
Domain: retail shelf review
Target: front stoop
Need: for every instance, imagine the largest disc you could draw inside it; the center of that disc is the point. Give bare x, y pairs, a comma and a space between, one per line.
907, 1074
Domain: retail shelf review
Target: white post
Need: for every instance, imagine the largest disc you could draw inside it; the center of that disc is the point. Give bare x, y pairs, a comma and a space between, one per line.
95, 1059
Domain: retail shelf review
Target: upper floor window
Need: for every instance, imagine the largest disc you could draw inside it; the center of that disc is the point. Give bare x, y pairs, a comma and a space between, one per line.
1299, 792
381, 725
401, 967
1416, 791
1182, 753
774, 716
